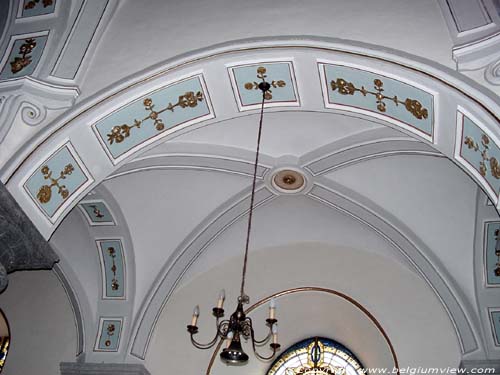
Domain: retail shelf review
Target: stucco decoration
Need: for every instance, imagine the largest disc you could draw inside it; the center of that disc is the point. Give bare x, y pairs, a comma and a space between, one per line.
33, 8
478, 150
52, 184
153, 116
112, 268
21, 246
491, 254
353, 89
245, 80
495, 325
97, 212
25, 52
492, 73
108, 337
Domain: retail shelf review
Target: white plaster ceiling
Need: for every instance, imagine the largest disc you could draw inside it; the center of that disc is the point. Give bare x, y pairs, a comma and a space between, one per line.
386, 217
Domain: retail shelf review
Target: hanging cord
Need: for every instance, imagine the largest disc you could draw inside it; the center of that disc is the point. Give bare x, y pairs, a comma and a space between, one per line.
249, 228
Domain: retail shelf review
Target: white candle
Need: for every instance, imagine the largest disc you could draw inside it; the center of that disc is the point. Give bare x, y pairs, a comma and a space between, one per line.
222, 297
275, 333
229, 338
196, 314
272, 308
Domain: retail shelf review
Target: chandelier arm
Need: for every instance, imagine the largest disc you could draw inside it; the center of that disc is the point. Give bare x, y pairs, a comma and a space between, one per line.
214, 340
203, 346
252, 199
260, 342
263, 358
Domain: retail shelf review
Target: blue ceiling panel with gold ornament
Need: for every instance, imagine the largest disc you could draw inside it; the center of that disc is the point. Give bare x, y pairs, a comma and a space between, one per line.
492, 253
154, 115
97, 212
355, 89
54, 182
33, 8
280, 75
24, 54
113, 268
495, 325
480, 152
108, 338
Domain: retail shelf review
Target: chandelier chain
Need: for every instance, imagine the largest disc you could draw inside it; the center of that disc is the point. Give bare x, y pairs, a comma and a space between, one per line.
252, 198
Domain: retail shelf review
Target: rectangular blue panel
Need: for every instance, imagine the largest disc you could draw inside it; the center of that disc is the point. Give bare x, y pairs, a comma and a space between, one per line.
23, 57
55, 180
111, 254
32, 8
495, 321
356, 88
481, 153
492, 259
278, 74
97, 212
151, 115
109, 339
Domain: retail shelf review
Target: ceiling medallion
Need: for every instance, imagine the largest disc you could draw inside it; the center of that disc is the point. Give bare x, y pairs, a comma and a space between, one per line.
238, 327
288, 181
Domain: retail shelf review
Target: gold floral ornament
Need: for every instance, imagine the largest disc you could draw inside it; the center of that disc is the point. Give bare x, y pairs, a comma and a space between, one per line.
483, 168
114, 282
31, 4
411, 105
497, 253
19, 63
110, 331
44, 194
120, 132
261, 74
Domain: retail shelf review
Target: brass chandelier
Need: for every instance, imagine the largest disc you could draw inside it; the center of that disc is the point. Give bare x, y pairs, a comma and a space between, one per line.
239, 326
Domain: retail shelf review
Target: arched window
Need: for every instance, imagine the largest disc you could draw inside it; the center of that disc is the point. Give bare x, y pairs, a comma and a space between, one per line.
317, 356
4, 339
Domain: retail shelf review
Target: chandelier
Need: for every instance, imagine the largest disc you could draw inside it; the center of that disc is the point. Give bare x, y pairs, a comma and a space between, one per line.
239, 326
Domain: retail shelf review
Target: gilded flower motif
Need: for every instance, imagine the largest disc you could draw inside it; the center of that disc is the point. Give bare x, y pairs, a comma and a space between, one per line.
45, 169
44, 194
68, 169
147, 102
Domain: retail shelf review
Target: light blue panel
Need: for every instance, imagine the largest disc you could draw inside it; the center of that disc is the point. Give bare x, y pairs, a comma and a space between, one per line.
109, 341
361, 78
136, 110
274, 72
98, 212
56, 164
474, 157
115, 282
35, 56
495, 317
491, 258
33, 8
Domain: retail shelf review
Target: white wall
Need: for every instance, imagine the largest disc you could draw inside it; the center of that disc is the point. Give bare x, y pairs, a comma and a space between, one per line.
42, 326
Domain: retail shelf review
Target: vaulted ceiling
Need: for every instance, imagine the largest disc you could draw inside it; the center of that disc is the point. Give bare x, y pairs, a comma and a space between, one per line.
133, 158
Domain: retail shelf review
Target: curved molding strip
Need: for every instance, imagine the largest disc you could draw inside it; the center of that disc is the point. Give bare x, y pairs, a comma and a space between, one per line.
187, 252
404, 241
117, 114
397, 235
312, 289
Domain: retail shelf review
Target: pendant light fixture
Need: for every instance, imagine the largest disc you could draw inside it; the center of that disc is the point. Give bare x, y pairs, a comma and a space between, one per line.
240, 327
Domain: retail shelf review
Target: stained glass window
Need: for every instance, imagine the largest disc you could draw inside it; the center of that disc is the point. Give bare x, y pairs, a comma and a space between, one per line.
317, 356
